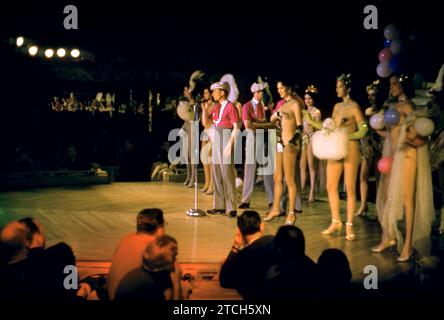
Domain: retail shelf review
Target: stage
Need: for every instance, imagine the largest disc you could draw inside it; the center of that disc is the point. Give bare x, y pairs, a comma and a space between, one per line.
92, 220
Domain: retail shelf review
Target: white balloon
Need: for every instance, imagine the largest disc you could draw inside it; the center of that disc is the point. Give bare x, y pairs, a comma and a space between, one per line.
424, 126
391, 32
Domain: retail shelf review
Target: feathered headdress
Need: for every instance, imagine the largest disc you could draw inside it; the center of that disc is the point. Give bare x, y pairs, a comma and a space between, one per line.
196, 75
234, 91
374, 85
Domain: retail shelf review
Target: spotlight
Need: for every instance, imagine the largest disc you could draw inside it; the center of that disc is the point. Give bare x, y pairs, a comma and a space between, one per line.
49, 53
20, 41
61, 52
33, 50
75, 53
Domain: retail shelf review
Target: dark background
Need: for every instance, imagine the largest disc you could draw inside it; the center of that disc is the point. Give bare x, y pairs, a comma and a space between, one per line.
145, 45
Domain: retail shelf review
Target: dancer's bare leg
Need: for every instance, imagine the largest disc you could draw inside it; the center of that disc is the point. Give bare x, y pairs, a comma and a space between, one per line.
351, 166
363, 186
334, 172
409, 199
303, 168
290, 156
278, 187
312, 169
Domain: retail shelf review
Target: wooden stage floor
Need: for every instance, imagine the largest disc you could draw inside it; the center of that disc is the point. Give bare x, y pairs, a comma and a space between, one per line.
92, 220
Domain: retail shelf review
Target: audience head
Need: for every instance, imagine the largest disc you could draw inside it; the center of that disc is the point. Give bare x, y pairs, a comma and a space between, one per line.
34, 233
290, 242
160, 254
13, 240
150, 221
334, 268
249, 222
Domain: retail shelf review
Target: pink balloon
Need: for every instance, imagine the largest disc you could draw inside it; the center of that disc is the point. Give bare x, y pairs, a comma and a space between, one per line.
385, 55
385, 165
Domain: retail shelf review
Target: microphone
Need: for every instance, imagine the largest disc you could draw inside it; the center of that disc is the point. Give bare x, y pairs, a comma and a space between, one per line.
196, 107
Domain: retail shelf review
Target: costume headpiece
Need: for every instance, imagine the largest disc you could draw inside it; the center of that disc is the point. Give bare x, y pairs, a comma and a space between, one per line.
346, 78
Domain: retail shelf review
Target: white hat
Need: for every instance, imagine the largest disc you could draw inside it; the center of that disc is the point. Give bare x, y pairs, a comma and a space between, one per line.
255, 87
220, 85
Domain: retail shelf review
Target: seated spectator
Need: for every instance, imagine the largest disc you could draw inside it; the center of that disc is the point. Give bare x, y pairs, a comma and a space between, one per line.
37, 273
294, 275
158, 278
71, 160
129, 252
334, 273
250, 257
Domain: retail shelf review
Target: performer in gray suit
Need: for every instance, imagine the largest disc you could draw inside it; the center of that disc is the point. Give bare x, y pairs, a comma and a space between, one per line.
225, 118
253, 117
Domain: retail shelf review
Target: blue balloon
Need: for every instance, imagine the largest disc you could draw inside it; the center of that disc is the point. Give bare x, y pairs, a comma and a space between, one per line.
395, 64
391, 117
387, 43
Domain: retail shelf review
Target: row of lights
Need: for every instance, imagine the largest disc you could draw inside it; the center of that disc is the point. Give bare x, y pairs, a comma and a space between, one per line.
49, 53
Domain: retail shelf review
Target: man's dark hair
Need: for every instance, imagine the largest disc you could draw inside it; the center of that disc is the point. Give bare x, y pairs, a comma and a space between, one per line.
149, 220
249, 222
290, 241
289, 83
31, 228
157, 262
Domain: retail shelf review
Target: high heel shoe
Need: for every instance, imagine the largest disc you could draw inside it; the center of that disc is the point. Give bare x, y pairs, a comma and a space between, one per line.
351, 236
291, 219
269, 217
361, 213
409, 257
336, 225
384, 246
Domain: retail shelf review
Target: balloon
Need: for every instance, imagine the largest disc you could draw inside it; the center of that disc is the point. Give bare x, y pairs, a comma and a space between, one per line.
396, 46
385, 165
383, 70
391, 117
391, 32
385, 55
424, 126
387, 43
377, 121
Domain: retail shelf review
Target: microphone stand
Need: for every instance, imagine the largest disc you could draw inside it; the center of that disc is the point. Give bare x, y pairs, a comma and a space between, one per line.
195, 212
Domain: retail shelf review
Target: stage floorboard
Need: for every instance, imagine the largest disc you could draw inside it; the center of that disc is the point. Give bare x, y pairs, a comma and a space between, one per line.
92, 220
